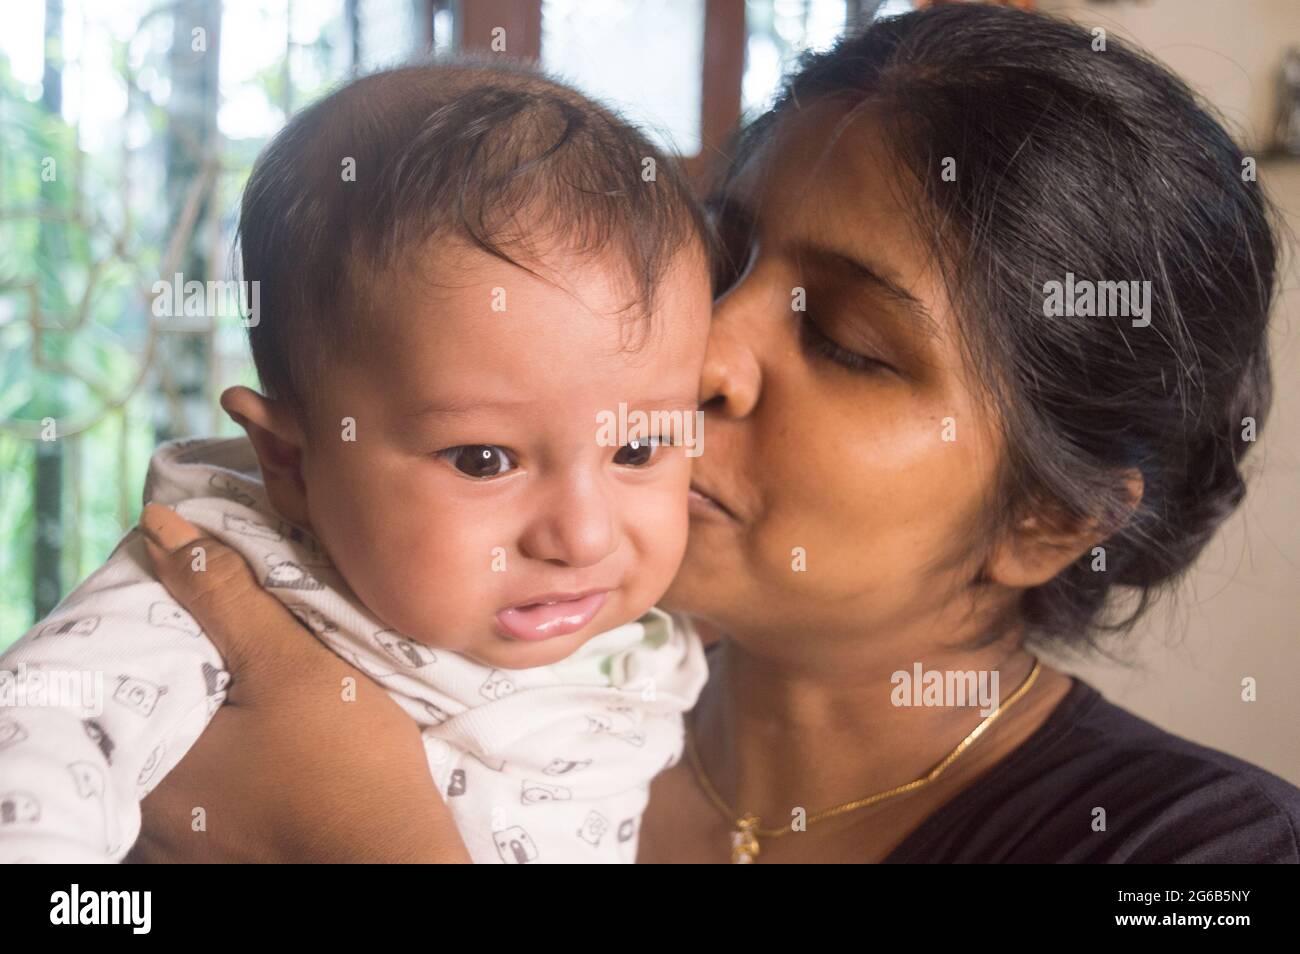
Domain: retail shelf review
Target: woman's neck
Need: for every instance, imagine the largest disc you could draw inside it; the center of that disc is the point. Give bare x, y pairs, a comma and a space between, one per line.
772, 739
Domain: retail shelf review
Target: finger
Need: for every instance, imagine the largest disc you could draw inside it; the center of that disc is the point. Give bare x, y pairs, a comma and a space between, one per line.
166, 527
249, 626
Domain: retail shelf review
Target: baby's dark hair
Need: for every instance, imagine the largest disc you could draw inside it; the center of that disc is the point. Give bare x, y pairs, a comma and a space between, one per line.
1068, 158
499, 156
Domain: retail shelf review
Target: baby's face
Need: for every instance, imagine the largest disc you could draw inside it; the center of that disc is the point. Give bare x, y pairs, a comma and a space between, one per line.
479, 507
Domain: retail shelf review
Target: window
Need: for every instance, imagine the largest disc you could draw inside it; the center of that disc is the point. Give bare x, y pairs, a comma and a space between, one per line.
641, 56
126, 133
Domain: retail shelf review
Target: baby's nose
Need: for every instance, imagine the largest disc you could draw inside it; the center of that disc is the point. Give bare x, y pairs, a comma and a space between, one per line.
574, 527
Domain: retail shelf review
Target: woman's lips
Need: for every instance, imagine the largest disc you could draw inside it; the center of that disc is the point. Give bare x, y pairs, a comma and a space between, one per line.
704, 505
550, 617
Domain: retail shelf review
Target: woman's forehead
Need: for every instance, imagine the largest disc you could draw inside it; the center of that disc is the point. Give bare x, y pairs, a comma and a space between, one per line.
827, 166
826, 177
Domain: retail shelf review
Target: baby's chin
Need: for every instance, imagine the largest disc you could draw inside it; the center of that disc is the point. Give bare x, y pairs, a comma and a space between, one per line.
505, 653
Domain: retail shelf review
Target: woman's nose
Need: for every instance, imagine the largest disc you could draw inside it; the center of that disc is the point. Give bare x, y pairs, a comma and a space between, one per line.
574, 527
732, 376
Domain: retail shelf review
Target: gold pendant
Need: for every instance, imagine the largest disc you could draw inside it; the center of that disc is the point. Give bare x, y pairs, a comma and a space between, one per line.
744, 841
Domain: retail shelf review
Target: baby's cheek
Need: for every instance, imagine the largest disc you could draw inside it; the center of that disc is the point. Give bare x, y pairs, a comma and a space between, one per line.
412, 570
442, 586
658, 531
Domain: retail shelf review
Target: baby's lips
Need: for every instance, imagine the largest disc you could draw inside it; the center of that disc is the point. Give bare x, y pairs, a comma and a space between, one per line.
542, 621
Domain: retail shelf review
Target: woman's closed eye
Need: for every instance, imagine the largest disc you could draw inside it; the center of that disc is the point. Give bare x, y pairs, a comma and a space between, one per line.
479, 461
817, 342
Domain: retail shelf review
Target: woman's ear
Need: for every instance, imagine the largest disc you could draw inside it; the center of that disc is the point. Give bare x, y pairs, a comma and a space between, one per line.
1040, 546
278, 439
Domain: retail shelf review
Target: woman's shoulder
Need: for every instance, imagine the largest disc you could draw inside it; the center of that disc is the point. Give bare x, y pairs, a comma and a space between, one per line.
1097, 783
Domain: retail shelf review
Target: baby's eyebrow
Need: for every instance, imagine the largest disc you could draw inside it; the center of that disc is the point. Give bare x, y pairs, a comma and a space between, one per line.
468, 406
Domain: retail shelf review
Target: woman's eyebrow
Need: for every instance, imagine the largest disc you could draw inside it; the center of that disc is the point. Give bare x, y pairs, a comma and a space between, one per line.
868, 274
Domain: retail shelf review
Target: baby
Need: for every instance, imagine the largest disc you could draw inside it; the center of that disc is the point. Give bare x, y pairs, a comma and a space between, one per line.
470, 279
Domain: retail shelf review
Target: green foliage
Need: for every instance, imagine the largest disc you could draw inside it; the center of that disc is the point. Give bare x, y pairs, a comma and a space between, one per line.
82, 249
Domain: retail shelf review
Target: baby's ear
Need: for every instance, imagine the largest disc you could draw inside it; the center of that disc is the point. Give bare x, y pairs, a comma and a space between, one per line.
277, 437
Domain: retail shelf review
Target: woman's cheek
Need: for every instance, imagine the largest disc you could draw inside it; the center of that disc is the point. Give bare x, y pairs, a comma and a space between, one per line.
834, 513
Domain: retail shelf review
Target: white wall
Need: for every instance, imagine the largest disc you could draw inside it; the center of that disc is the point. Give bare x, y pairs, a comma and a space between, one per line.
1238, 615
1229, 50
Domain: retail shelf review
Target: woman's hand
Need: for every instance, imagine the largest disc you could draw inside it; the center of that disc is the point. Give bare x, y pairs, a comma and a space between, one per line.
287, 770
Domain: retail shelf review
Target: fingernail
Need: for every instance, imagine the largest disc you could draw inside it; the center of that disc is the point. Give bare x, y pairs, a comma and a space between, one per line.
166, 527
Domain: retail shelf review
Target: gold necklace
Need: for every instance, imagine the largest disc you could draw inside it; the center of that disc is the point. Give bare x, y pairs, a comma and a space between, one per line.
744, 840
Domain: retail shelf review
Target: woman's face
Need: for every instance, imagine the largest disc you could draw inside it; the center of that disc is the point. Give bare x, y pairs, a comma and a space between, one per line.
845, 445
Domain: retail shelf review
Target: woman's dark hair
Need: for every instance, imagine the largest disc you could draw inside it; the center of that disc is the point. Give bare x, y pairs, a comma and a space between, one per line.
1101, 164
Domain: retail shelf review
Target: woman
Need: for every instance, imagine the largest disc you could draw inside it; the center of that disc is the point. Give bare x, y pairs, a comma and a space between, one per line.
992, 318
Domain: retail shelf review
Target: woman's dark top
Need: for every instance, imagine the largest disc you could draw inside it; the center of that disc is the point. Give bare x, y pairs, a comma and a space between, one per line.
1166, 799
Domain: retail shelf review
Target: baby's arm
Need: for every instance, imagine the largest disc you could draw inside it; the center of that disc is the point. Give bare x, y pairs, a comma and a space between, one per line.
109, 691
300, 781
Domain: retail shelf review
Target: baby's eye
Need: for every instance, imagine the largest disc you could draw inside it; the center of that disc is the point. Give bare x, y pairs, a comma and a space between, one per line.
639, 452
478, 460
